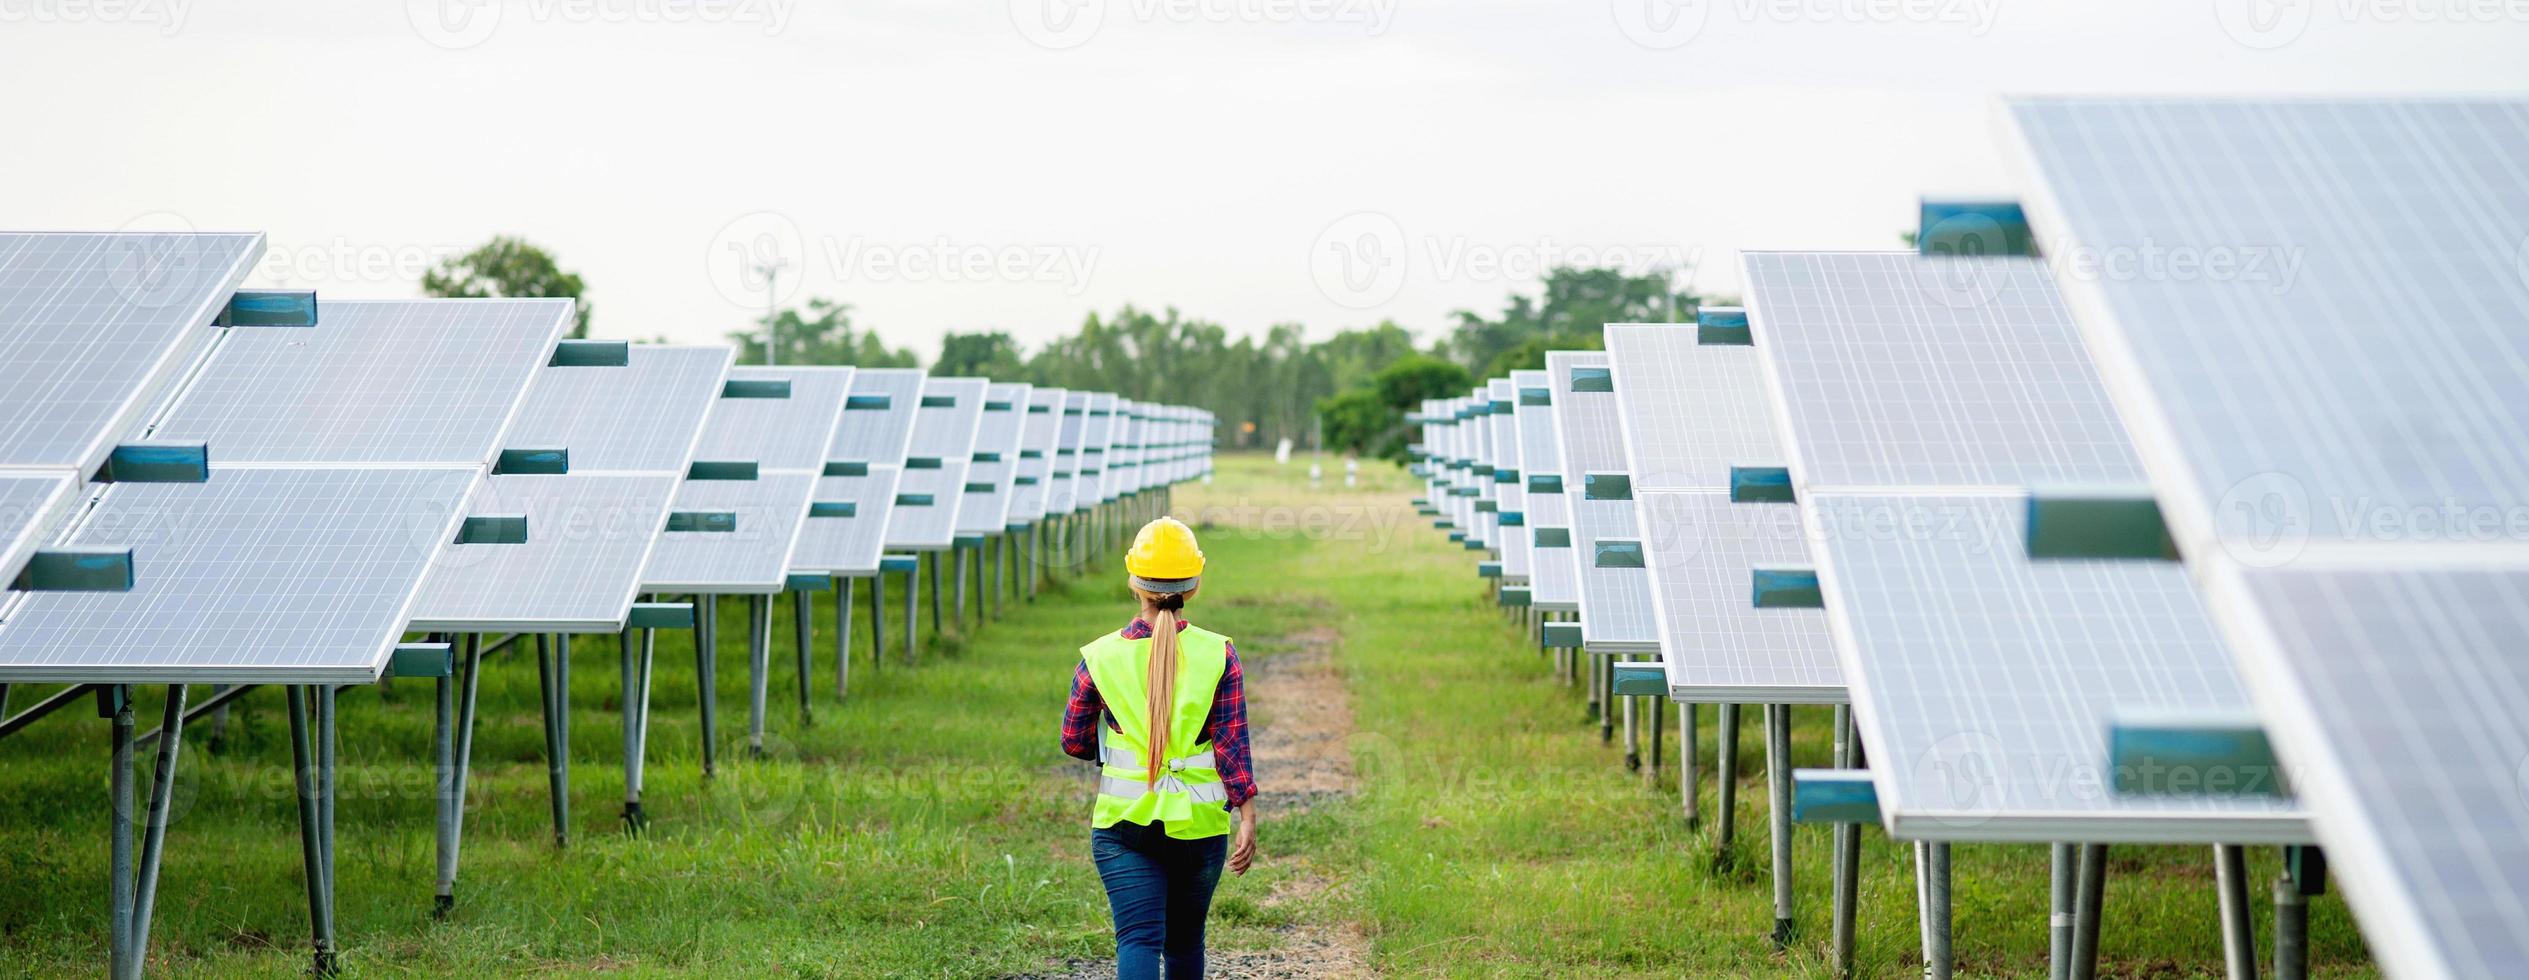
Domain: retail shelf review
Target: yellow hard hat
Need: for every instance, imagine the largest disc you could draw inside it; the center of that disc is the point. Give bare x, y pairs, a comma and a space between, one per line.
1164, 558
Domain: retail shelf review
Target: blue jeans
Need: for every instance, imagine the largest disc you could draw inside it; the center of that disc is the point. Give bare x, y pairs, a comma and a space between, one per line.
1160, 889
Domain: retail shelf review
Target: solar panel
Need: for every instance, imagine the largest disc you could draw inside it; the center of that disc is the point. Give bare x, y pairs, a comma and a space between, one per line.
927, 495
995, 461
849, 535
31, 504
863, 465
1553, 577
259, 576
644, 416
1993, 675
375, 382
1064, 495
1037, 435
588, 539
2366, 346
1487, 530
1510, 495
1718, 647
789, 433
1097, 443
1896, 376
2332, 398
1989, 680
92, 327
2420, 671
753, 557
878, 420
1615, 594
1689, 411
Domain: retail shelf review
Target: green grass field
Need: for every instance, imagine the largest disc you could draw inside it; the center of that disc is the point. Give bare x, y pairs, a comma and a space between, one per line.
928, 825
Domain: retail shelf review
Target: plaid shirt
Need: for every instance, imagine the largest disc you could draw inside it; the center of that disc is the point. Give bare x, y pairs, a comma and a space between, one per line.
1225, 727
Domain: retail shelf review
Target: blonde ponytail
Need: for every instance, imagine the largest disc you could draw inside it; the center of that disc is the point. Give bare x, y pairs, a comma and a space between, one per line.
1161, 682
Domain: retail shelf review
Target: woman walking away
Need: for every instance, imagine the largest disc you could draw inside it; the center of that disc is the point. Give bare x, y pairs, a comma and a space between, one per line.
1161, 707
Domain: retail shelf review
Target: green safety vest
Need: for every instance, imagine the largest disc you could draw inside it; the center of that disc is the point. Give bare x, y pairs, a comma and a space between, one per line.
1189, 794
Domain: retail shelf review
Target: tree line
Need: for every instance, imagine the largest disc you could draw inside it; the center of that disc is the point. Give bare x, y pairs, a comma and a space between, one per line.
1346, 393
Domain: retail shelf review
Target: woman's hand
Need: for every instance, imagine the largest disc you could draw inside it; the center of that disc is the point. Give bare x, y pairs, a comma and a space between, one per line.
1242, 847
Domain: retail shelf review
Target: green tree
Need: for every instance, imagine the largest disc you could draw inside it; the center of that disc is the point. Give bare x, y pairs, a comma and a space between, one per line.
1405, 384
822, 333
993, 354
1578, 303
507, 267
1358, 422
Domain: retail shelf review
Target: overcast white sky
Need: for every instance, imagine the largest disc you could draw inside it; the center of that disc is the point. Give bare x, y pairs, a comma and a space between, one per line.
1330, 162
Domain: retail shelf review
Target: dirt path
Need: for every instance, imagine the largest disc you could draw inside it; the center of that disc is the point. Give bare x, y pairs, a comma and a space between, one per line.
1301, 724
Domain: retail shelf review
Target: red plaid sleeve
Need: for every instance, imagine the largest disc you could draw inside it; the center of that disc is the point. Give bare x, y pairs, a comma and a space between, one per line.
1081, 716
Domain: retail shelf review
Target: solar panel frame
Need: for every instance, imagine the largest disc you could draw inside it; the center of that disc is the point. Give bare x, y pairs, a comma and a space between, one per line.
1553, 575
1039, 435
1063, 493
1717, 646
793, 433
996, 435
1486, 530
945, 434
873, 438
71, 304
644, 416
1839, 323
376, 383
1097, 446
1509, 496
1689, 411
589, 538
752, 559
1983, 474
1615, 603
332, 557
849, 546
2394, 194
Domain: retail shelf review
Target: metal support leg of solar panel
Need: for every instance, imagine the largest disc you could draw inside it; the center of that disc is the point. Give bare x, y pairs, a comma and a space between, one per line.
1778, 783
843, 637
706, 671
454, 731
1931, 896
553, 673
1846, 888
135, 885
1726, 793
312, 755
803, 611
637, 658
1687, 713
759, 668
